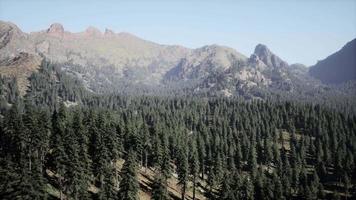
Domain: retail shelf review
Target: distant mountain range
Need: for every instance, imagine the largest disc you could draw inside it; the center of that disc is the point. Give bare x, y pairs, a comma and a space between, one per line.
119, 62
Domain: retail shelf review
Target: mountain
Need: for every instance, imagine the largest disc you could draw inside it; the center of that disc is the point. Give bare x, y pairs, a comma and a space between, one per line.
338, 67
268, 58
109, 62
104, 60
121, 54
259, 76
202, 61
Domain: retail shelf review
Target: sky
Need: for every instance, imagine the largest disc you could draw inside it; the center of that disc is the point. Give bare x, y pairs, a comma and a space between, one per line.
299, 31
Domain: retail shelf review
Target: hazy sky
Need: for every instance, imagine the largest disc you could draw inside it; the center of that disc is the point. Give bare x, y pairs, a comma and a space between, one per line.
301, 31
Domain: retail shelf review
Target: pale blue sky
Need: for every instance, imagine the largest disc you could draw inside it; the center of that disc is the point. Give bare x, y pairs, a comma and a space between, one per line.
301, 31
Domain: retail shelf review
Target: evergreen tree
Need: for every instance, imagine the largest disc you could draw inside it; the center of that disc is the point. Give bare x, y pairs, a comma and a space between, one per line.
80, 172
247, 189
128, 188
159, 188
252, 161
226, 192
58, 155
182, 171
193, 165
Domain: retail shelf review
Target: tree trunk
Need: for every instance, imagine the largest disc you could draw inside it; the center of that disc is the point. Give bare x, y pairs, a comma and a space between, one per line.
183, 191
141, 157
42, 161
29, 159
60, 188
194, 183
29, 163
145, 161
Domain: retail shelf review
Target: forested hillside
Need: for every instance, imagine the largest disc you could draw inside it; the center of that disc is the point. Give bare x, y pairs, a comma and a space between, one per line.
61, 141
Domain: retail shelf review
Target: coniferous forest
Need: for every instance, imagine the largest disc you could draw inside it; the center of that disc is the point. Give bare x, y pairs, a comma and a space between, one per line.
60, 141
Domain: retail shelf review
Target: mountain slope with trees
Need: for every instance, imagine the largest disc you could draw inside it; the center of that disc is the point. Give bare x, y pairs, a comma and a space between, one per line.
61, 141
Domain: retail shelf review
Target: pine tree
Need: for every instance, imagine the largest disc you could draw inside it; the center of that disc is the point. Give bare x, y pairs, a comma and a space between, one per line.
128, 188
20, 168
77, 172
182, 171
252, 161
80, 159
100, 152
259, 184
165, 165
10, 179
347, 184
193, 165
58, 155
28, 187
159, 188
226, 191
146, 142
108, 187
247, 189
43, 137
202, 154
278, 188
157, 150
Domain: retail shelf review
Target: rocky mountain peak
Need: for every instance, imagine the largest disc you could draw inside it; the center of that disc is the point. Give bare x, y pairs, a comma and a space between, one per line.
109, 32
262, 50
56, 28
92, 31
12, 40
267, 57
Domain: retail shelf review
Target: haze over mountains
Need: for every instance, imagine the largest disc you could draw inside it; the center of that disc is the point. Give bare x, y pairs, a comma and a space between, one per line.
119, 62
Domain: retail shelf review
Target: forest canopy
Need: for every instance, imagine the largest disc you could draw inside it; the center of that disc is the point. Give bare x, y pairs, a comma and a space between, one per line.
61, 141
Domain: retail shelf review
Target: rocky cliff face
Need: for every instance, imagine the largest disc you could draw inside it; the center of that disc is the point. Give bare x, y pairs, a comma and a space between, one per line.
338, 67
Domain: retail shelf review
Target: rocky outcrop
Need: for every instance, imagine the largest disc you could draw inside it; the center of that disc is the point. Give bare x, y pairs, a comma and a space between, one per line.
6, 32
93, 32
56, 29
267, 57
109, 32
13, 41
204, 61
21, 67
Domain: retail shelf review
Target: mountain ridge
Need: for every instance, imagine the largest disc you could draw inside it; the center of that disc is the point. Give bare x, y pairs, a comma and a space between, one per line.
116, 62
337, 68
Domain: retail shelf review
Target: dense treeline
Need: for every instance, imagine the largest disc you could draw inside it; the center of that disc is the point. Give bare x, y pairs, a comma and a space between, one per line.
227, 148
53, 83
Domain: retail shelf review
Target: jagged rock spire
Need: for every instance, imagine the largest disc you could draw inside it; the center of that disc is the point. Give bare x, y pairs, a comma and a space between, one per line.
56, 28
